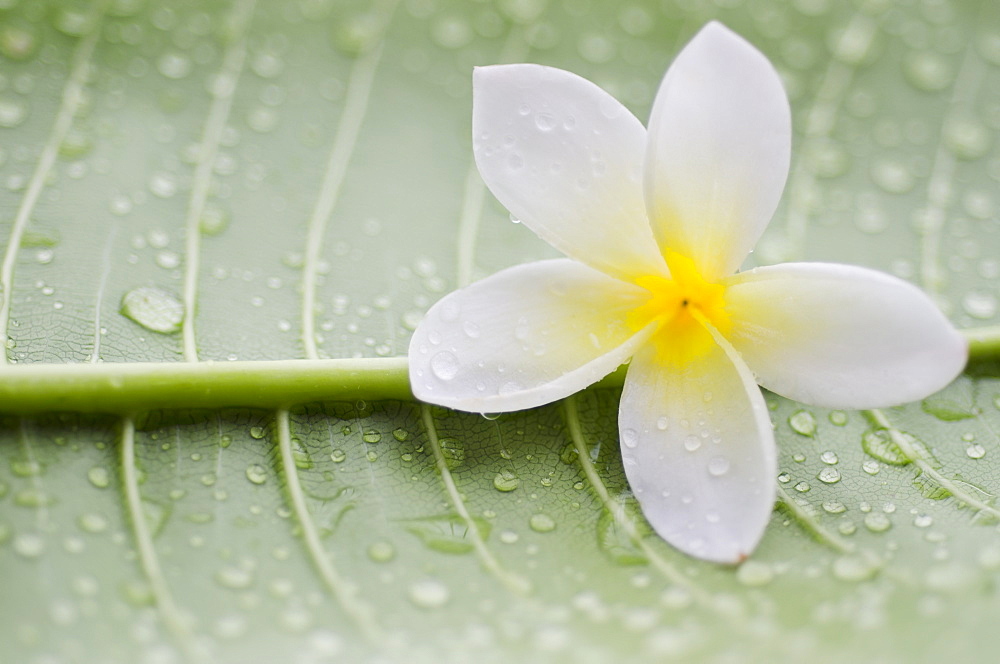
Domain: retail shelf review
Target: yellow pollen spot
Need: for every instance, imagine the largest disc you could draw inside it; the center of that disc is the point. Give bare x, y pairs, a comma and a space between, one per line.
680, 304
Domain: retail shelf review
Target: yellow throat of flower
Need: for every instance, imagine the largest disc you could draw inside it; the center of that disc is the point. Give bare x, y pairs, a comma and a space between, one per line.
682, 305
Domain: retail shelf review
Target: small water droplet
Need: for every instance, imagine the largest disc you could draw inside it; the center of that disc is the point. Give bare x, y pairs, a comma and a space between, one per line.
802, 487
662, 423
429, 593
542, 523
371, 436
545, 122
236, 578
692, 442
928, 71
834, 507
257, 432
29, 545
877, 522
855, 568
338, 456
754, 574
829, 476
980, 304
99, 477
718, 466
975, 451
630, 437
381, 552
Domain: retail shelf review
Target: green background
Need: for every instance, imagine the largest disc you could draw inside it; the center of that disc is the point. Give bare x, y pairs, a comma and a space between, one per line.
456, 537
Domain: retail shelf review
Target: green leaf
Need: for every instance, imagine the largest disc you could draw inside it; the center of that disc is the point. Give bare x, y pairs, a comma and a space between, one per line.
256, 181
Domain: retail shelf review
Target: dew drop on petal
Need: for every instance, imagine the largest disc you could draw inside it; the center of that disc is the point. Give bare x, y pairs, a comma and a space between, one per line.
444, 364
692, 443
630, 438
662, 423
718, 466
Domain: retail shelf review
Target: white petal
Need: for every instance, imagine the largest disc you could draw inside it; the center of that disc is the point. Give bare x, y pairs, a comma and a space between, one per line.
523, 337
565, 158
841, 336
719, 146
699, 453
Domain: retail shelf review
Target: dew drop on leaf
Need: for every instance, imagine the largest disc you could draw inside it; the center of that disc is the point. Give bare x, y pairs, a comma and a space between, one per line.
154, 309
803, 423
506, 480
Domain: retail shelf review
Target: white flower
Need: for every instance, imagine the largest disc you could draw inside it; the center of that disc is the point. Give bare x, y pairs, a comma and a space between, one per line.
654, 225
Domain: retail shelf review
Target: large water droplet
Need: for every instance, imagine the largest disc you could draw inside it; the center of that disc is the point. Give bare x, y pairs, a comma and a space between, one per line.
506, 480
445, 365
154, 309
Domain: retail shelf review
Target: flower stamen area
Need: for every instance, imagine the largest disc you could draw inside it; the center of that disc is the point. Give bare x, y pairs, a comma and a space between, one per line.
682, 305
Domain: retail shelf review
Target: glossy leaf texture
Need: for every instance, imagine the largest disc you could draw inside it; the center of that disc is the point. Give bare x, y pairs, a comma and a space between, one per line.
191, 181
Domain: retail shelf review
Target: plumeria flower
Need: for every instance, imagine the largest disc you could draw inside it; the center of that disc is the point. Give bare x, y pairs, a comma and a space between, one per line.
655, 224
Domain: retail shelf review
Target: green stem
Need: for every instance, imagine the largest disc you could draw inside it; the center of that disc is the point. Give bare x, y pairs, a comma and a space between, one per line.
125, 388
984, 342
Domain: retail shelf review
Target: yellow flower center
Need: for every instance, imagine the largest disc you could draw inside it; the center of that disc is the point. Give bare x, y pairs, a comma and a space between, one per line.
681, 305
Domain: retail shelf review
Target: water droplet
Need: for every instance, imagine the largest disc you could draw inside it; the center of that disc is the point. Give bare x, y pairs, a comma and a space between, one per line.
163, 185
29, 545
371, 436
980, 304
829, 476
256, 473
429, 593
506, 480
855, 568
381, 552
928, 71
545, 122
542, 523
338, 456
445, 365
871, 467
18, 41
93, 523
975, 451
877, 522
923, 521
893, 177
967, 138
662, 423
174, 65
803, 423
236, 578
829, 457
630, 437
834, 507
12, 112
802, 487
256, 432
692, 442
99, 477
754, 574
718, 466
838, 418
154, 309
